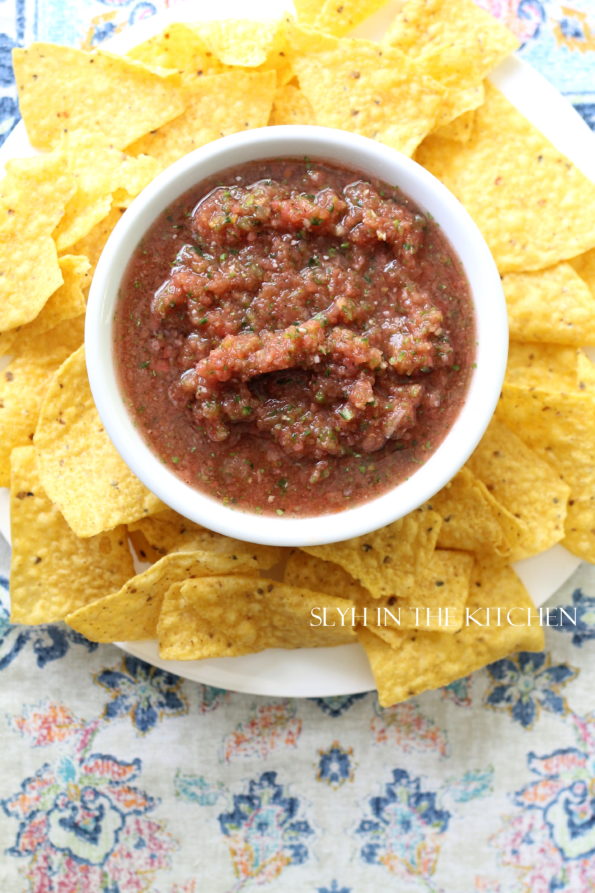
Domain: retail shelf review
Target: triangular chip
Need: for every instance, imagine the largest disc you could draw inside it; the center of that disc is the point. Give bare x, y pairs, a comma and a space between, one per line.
550, 305
375, 91
52, 571
584, 265
290, 106
245, 42
167, 531
426, 660
388, 558
79, 467
67, 302
529, 488
341, 16
248, 98
132, 612
229, 616
179, 47
62, 89
533, 206
24, 382
472, 519
536, 365
560, 427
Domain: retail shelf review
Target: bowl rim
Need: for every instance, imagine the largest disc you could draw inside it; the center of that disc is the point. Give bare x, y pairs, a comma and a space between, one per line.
368, 156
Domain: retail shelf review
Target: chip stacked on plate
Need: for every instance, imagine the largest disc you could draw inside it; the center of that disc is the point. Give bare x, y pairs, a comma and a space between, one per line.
415, 593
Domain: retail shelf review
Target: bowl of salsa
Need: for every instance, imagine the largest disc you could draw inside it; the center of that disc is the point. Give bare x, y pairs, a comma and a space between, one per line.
295, 335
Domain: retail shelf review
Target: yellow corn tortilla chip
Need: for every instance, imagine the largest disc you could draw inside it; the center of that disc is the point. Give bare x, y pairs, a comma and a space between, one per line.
549, 366
132, 612
584, 265
375, 91
472, 519
460, 128
62, 89
218, 105
100, 171
309, 572
33, 196
229, 616
290, 106
67, 302
307, 11
427, 660
79, 467
533, 206
245, 42
179, 47
24, 382
585, 373
389, 557
560, 428
341, 16
167, 531
52, 571
435, 602
93, 243
553, 305
529, 488
454, 41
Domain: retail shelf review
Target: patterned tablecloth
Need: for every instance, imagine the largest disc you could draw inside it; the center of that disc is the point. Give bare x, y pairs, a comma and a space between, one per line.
118, 778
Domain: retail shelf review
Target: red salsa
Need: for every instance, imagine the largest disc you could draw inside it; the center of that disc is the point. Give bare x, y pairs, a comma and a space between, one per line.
294, 337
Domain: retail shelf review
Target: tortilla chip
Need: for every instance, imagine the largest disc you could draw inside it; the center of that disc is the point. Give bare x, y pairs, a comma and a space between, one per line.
29, 271
132, 612
52, 571
584, 265
93, 243
290, 106
307, 11
435, 602
460, 129
79, 467
585, 373
529, 488
24, 382
533, 206
100, 171
218, 105
341, 16
229, 616
375, 91
62, 89
67, 302
553, 305
179, 47
472, 520
388, 558
560, 428
167, 531
454, 41
427, 660
245, 42
542, 365
309, 572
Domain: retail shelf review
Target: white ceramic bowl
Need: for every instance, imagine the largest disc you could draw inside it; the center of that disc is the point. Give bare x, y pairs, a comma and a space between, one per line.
374, 159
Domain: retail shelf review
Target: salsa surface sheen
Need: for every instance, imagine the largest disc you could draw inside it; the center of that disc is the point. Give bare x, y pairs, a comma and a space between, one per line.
294, 337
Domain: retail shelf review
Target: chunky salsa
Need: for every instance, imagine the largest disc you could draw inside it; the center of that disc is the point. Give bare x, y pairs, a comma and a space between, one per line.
294, 337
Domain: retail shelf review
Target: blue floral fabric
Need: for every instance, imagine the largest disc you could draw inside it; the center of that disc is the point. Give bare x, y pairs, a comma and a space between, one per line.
120, 778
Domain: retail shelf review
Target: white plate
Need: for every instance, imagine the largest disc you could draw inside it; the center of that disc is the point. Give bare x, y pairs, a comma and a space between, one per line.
323, 672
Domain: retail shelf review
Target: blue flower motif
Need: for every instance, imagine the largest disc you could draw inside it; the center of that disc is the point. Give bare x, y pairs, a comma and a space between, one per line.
264, 824
49, 642
583, 610
404, 825
334, 766
143, 692
336, 706
526, 683
334, 888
